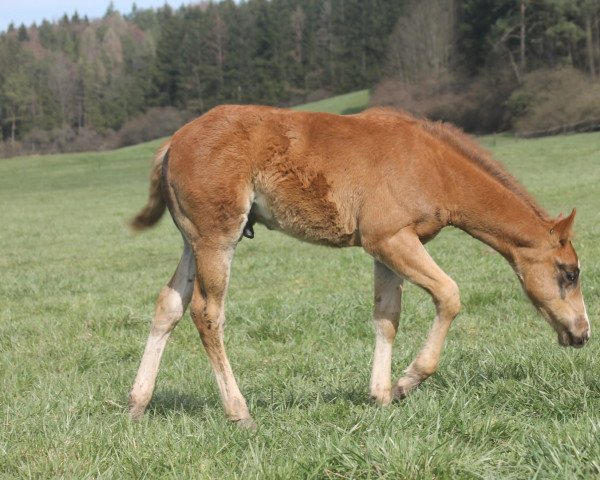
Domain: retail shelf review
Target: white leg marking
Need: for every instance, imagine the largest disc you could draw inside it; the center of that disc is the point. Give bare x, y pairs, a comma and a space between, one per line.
386, 313
170, 307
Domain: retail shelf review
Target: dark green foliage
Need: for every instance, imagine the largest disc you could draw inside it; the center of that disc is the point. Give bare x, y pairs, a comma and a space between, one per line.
169, 63
477, 20
192, 58
462, 60
78, 75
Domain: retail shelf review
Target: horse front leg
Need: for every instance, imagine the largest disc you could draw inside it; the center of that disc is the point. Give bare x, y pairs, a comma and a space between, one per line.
406, 255
386, 314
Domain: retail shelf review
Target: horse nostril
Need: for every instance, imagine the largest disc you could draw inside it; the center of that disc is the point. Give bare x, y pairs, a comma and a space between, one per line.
585, 336
579, 342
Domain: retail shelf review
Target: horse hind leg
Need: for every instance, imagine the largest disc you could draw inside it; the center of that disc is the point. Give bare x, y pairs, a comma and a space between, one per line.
172, 302
212, 275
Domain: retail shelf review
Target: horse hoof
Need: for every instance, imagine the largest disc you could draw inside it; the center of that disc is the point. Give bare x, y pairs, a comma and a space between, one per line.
382, 401
246, 424
401, 392
136, 413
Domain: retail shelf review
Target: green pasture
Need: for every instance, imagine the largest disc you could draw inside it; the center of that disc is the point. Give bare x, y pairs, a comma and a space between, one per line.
353, 102
77, 293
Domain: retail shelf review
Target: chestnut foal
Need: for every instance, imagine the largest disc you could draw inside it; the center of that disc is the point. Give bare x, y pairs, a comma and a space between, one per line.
381, 180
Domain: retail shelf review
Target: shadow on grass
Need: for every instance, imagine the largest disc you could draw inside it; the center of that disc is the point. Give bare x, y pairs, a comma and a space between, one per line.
352, 110
166, 402
508, 382
358, 397
297, 400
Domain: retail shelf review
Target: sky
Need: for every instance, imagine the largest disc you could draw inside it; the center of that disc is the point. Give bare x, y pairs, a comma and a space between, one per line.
29, 11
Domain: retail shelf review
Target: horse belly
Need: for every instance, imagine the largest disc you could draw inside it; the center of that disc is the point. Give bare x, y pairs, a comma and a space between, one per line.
306, 216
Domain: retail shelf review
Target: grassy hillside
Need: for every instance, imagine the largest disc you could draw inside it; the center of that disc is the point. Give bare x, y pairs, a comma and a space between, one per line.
77, 294
344, 104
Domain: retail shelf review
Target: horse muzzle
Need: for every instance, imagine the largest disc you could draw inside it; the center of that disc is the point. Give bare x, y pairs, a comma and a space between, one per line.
568, 339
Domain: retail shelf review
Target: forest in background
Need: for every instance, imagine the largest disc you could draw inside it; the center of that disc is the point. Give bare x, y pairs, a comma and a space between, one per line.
81, 84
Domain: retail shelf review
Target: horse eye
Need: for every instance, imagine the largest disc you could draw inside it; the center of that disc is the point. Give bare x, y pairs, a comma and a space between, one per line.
572, 276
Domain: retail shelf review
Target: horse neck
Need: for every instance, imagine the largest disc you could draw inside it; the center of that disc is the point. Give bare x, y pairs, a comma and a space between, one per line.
493, 213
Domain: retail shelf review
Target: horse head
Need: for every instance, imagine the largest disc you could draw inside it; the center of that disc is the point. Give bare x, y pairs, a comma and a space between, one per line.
549, 273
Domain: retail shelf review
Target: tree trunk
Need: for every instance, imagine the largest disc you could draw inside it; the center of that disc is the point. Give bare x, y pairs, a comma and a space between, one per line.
515, 67
522, 35
590, 46
13, 129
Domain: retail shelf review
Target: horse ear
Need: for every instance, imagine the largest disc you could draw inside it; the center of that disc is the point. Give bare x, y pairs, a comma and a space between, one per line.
563, 227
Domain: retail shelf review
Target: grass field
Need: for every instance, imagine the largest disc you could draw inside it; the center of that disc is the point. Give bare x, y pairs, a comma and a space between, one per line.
348, 103
76, 298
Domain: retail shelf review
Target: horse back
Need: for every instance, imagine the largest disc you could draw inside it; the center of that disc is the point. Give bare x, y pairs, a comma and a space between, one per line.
314, 176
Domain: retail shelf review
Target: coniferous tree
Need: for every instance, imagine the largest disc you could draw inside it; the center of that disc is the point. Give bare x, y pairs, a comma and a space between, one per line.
169, 61
77, 74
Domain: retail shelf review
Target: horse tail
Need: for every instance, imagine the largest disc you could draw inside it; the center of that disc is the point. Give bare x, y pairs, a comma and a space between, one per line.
156, 206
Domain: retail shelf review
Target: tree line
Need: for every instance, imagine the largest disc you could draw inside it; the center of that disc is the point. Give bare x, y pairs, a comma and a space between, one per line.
79, 83
495, 65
